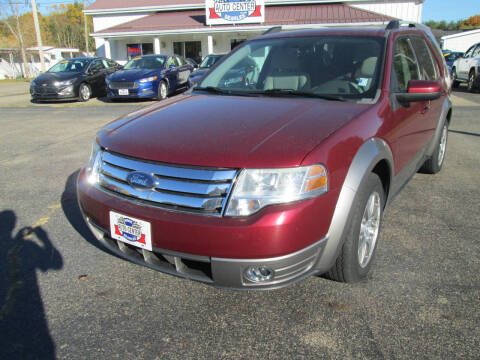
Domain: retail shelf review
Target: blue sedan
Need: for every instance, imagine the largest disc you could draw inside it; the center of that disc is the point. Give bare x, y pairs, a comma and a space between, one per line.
149, 76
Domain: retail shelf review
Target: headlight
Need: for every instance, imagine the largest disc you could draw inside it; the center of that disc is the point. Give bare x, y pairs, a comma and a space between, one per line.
257, 188
64, 83
149, 79
93, 165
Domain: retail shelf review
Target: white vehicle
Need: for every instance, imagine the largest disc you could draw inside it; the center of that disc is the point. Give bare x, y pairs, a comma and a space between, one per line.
467, 69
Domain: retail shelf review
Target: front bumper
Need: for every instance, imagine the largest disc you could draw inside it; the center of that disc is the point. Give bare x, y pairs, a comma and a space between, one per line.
144, 90
50, 93
287, 239
219, 272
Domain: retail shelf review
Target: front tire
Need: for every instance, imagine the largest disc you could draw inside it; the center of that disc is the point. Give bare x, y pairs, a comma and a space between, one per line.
162, 90
84, 92
435, 163
471, 81
361, 233
455, 82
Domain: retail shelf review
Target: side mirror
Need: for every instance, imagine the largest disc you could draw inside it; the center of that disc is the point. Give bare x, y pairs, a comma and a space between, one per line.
420, 90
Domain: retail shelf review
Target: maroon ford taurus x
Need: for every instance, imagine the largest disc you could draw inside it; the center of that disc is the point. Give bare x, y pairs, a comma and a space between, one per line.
279, 163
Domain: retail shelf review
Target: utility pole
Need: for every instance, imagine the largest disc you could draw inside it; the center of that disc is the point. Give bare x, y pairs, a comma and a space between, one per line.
85, 24
39, 36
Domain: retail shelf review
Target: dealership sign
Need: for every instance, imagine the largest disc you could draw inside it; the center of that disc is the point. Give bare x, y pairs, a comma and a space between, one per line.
220, 12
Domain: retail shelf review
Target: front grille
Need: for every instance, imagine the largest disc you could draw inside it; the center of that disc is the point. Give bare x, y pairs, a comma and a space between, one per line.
45, 90
190, 189
115, 85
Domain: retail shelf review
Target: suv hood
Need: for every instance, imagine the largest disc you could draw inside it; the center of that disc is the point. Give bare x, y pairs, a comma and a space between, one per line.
228, 131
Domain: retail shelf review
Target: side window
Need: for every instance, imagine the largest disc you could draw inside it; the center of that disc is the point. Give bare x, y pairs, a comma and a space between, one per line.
428, 67
476, 53
404, 64
180, 61
112, 64
96, 66
470, 52
171, 61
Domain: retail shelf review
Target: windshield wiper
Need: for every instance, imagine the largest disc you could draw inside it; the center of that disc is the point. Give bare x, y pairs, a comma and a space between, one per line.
291, 92
213, 90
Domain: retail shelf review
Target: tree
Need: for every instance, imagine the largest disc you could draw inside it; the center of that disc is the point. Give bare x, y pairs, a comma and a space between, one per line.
64, 26
471, 23
11, 13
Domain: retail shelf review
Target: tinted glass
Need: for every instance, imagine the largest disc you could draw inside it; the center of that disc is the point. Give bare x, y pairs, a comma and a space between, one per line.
150, 62
69, 66
404, 64
180, 61
171, 61
209, 61
476, 53
470, 51
345, 66
428, 69
96, 66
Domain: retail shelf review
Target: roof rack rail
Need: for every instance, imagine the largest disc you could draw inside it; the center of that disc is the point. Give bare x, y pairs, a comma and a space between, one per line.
394, 24
272, 30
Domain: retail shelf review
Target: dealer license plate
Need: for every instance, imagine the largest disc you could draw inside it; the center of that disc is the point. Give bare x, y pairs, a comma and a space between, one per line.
122, 91
130, 230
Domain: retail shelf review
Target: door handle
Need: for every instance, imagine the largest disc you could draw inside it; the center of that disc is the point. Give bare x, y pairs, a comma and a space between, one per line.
425, 109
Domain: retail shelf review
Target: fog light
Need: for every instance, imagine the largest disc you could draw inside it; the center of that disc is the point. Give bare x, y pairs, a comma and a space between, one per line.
258, 274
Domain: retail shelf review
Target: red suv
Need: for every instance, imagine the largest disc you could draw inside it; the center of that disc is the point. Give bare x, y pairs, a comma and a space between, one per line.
278, 165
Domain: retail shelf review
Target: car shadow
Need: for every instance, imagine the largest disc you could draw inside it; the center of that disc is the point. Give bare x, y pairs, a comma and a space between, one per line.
73, 214
108, 100
23, 325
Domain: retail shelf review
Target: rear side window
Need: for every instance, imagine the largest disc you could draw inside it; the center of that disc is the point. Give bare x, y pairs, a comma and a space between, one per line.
428, 69
404, 64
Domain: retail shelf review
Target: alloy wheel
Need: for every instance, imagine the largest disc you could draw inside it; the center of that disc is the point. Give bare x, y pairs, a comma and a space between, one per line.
369, 229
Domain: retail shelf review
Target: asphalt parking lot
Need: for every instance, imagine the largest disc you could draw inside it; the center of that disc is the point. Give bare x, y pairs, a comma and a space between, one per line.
64, 296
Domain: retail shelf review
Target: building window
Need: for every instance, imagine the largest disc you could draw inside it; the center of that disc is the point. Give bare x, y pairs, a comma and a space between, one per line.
189, 49
134, 50
235, 42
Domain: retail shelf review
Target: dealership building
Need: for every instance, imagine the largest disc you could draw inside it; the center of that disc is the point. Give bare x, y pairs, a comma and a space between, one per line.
195, 28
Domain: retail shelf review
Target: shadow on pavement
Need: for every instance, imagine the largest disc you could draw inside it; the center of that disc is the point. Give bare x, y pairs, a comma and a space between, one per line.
73, 214
23, 326
463, 132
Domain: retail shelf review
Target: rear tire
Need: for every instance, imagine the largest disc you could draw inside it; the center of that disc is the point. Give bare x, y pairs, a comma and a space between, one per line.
435, 163
361, 233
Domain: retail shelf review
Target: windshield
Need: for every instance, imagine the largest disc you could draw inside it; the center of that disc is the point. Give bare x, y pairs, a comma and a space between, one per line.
73, 66
151, 62
325, 66
210, 60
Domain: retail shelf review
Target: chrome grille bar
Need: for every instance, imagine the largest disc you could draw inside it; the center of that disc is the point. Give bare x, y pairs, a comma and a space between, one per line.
198, 189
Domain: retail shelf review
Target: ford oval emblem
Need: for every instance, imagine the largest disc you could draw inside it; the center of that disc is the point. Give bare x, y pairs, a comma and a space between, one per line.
141, 181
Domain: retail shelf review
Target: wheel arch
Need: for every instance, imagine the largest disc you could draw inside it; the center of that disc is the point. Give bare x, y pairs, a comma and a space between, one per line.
374, 156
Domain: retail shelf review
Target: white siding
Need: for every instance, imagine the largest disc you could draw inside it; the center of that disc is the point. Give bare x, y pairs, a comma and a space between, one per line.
101, 22
408, 10
461, 42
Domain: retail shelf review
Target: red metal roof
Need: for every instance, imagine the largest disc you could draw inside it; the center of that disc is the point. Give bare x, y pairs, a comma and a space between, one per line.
274, 15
